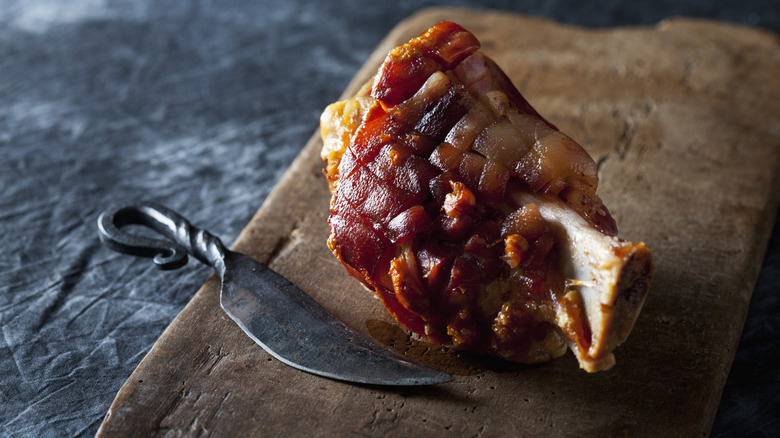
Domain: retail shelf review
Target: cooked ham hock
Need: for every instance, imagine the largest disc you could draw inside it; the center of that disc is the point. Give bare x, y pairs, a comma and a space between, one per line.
473, 219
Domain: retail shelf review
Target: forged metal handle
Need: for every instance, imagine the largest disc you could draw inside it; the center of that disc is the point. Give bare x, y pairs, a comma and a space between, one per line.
167, 254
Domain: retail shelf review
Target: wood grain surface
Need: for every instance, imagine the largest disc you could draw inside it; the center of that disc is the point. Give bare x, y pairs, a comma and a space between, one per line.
683, 120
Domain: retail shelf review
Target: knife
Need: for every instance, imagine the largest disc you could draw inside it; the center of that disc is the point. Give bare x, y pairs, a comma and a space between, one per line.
276, 314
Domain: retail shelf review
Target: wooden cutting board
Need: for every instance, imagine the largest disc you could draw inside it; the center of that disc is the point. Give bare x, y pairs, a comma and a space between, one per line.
682, 118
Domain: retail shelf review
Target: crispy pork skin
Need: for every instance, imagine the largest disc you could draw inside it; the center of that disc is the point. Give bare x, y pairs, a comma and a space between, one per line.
472, 218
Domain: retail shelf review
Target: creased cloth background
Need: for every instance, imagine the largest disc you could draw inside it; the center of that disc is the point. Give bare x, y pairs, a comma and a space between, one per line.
201, 106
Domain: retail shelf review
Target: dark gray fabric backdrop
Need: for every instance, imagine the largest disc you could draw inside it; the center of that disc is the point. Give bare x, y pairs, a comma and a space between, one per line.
201, 106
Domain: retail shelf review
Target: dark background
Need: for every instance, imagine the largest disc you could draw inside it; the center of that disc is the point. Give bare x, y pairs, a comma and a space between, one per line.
201, 106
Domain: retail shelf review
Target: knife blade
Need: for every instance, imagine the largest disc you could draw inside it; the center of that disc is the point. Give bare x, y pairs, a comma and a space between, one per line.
276, 314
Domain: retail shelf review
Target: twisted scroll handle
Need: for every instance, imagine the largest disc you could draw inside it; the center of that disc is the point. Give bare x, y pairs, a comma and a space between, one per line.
167, 254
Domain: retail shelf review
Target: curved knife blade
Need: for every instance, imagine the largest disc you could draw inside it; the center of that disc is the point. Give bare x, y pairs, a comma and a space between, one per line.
295, 329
